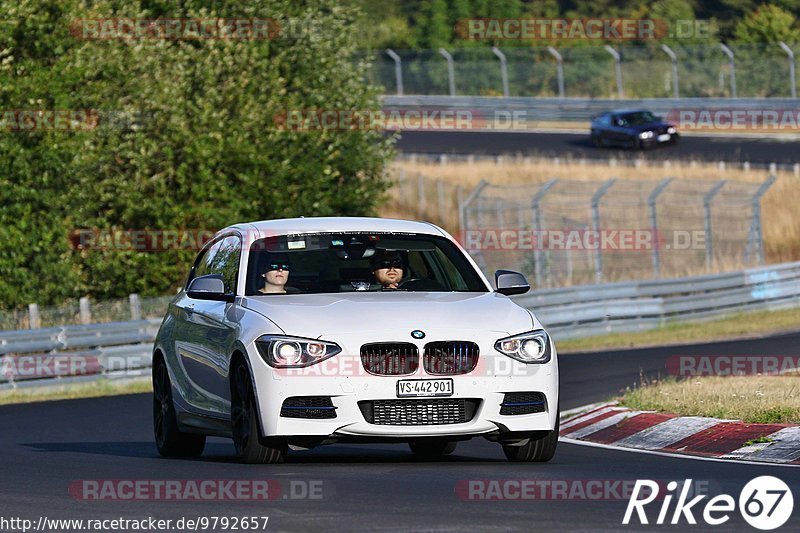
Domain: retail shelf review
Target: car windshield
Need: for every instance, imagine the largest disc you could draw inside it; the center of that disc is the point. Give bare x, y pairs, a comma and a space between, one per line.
351, 262
638, 118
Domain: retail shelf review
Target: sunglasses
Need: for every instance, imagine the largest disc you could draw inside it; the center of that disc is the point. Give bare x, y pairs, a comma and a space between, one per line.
392, 263
277, 266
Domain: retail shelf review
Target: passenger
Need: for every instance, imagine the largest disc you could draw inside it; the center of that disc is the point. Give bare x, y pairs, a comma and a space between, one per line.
387, 267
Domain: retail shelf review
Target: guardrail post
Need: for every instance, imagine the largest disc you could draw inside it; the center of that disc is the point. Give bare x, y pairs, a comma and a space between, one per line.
420, 195
651, 205
451, 71
559, 69
503, 69
617, 68
598, 253
537, 226
667, 50
707, 219
790, 53
464, 204
85, 311
398, 70
756, 237
440, 199
728, 52
34, 322
136, 307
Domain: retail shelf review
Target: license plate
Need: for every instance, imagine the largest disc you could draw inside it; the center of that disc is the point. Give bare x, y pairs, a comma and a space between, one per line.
424, 387
663, 137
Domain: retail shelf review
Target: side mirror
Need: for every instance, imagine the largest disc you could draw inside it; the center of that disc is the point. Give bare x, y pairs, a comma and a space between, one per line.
209, 287
509, 282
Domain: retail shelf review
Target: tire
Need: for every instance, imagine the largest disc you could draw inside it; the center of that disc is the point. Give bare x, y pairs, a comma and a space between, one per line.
170, 441
244, 422
432, 449
535, 451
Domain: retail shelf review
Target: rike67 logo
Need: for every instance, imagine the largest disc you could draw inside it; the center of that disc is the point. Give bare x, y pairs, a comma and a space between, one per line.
765, 503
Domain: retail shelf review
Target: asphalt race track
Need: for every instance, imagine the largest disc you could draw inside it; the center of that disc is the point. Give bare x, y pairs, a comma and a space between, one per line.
728, 149
45, 447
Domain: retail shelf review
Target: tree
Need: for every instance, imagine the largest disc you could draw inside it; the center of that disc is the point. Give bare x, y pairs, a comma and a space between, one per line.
768, 24
197, 147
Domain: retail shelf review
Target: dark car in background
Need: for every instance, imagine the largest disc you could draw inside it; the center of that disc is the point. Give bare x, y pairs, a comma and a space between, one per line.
636, 128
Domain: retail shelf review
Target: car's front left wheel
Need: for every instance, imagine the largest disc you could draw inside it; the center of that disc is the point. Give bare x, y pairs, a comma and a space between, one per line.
245, 424
170, 440
535, 450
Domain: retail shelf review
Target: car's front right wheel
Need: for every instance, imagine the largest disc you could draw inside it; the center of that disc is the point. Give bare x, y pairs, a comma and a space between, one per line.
535, 450
244, 421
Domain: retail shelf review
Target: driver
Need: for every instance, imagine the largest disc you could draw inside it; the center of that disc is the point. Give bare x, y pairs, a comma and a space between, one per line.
387, 267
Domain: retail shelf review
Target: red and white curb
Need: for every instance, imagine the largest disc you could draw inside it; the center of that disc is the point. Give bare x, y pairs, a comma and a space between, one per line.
614, 426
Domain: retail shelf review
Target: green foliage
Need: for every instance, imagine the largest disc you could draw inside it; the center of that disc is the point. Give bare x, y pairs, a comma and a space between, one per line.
199, 149
768, 24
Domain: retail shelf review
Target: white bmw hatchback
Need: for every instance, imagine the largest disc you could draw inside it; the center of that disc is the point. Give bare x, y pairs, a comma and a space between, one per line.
300, 332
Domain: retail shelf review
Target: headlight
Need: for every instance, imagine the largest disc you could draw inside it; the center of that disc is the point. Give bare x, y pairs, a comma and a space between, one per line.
645, 134
294, 352
531, 347
672, 129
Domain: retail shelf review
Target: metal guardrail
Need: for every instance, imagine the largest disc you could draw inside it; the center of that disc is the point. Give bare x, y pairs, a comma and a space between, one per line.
76, 353
501, 113
587, 310
124, 349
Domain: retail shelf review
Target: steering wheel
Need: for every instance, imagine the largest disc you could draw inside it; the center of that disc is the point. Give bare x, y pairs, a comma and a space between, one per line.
419, 284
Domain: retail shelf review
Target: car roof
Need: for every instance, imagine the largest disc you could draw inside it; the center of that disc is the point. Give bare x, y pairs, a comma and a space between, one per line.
286, 226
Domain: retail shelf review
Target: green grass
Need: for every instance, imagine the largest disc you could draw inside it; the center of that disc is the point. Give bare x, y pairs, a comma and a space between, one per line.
95, 389
752, 399
741, 325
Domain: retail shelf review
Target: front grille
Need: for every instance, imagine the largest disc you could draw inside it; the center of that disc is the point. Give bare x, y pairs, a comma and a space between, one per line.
308, 407
448, 358
422, 412
522, 403
390, 358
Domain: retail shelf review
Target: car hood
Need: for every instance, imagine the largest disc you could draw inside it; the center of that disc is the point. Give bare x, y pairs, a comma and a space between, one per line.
313, 315
650, 126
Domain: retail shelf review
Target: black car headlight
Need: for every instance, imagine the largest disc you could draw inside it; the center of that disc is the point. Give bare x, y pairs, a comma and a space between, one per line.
531, 347
646, 135
281, 351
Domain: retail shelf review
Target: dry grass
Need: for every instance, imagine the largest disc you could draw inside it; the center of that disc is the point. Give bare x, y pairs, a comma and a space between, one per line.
781, 224
754, 399
740, 325
94, 389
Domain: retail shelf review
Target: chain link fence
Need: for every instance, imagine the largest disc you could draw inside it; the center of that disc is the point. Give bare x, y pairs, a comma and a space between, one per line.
85, 312
567, 232
645, 71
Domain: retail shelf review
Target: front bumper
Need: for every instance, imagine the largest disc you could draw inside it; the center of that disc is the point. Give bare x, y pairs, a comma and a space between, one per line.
343, 379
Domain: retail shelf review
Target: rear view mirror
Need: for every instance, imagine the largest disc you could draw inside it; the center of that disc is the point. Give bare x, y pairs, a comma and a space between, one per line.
209, 287
509, 282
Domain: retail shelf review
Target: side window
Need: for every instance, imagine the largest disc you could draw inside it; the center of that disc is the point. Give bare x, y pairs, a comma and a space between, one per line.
223, 259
